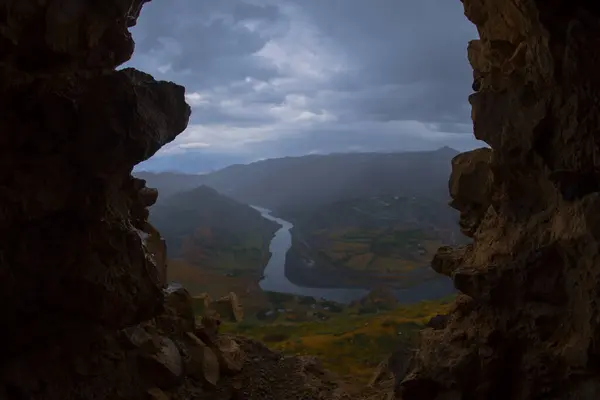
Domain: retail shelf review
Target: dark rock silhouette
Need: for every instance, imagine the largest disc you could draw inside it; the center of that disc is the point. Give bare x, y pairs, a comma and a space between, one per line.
526, 325
438, 322
78, 260
85, 310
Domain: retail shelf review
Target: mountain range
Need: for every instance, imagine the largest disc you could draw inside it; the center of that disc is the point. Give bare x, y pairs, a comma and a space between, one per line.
320, 179
359, 218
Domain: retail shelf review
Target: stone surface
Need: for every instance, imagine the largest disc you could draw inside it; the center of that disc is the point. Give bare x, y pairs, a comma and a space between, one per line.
164, 367
66, 204
437, 322
470, 188
230, 355
201, 362
78, 260
137, 336
229, 308
178, 317
527, 325
157, 394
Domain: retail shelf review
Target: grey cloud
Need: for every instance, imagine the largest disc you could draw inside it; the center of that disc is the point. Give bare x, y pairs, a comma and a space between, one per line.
214, 114
404, 41
417, 47
425, 101
405, 60
205, 42
331, 140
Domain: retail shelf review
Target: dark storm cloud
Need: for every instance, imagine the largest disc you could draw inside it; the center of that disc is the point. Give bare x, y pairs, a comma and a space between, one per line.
412, 49
268, 78
204, 42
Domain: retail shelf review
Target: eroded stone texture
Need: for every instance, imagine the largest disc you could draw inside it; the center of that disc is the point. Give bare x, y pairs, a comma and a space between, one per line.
527, 326
78, 260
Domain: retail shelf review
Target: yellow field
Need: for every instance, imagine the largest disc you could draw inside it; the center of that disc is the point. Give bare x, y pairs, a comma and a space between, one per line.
353, 249
348, 343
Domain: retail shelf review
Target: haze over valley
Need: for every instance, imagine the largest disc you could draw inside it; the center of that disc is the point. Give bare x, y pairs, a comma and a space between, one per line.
311, 184
358, 220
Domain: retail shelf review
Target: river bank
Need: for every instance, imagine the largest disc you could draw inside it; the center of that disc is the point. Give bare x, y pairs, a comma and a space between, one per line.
287, 266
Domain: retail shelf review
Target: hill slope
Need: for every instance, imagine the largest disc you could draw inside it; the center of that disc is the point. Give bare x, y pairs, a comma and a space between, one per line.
169, 183
321, 179
386, 239
360, 218
213, 231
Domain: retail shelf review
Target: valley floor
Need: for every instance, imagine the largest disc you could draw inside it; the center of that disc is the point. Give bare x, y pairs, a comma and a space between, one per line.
348, 342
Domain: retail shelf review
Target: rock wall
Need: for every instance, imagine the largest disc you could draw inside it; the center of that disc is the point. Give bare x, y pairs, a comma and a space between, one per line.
84, 308
527, 323
78, 260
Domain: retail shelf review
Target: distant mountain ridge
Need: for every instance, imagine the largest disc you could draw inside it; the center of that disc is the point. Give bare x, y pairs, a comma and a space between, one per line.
320, 179
170, 183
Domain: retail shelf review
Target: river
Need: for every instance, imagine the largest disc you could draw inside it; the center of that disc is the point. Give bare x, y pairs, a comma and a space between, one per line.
275, 280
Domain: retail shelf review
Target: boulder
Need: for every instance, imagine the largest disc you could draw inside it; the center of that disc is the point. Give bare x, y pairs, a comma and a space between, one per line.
229, 308
137, 336
230, 355
201, 304
208, 329
178, 316
164, 366
200, 361
395, 367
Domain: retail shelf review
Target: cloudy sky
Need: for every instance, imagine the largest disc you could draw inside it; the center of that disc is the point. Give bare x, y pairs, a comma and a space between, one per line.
271, 78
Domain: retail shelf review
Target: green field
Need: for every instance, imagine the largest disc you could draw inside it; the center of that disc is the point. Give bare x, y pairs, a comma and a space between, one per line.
347, 342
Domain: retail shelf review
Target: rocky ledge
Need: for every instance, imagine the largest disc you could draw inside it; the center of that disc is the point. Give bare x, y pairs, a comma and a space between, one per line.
86, 313
169, 357
78, 260
77, 256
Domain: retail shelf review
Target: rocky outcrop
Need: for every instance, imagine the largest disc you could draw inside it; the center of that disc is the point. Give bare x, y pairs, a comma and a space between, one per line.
201, 361
229, 308
395, 366
470, 188
86, 313
153, 359
527, 324
438, 322
78, 260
